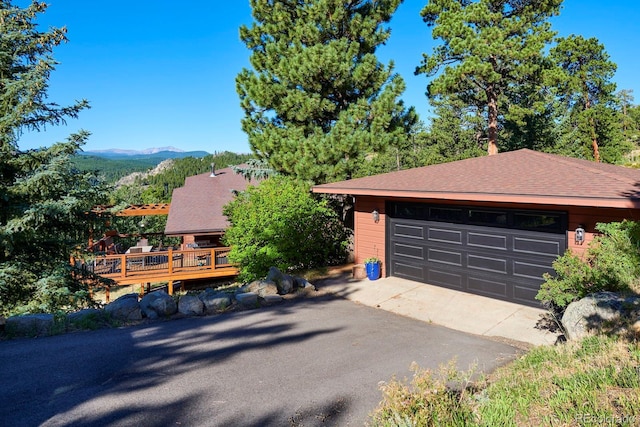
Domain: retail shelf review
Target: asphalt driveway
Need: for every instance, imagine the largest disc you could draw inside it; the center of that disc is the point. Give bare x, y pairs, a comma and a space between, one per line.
306, 362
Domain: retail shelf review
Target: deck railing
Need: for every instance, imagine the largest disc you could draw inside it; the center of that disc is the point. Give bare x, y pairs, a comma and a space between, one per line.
167, 265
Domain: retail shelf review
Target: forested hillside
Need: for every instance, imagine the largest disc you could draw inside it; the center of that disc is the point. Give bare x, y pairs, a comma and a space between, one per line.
113, 166
110, 170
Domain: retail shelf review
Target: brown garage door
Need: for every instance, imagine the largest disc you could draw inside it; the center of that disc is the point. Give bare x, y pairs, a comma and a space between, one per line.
496, 259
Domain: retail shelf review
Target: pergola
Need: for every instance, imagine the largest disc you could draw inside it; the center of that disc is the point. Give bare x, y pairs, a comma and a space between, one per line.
136, 210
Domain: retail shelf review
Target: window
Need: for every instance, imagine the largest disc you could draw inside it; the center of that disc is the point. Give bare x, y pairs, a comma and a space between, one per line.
410, 211
541, 222
446, 214
488, 217
548, 222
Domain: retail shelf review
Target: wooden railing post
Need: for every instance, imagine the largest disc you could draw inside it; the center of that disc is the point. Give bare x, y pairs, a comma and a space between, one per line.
213, 258
123, 264
170, 262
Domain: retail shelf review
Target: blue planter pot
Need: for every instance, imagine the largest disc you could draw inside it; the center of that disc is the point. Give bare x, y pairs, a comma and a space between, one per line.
373, 270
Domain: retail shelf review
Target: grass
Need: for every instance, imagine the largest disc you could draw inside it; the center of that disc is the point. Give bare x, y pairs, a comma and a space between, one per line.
595, 381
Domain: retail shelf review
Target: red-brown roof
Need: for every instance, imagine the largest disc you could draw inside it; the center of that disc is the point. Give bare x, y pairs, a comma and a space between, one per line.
196, 208
522, 176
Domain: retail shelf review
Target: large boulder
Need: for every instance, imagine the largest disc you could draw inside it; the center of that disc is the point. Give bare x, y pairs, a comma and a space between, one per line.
90, 318
126, 308
247, 299
158, 304
271, 299
214, 301
595, 312
284, 282
190, 305
29, 325
302, 283
262, 287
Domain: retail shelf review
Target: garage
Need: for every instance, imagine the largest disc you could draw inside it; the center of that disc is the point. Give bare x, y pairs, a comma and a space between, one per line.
496, 253
489, 225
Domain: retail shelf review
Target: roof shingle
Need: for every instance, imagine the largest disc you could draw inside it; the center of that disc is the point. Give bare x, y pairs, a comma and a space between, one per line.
516, 176
196, 208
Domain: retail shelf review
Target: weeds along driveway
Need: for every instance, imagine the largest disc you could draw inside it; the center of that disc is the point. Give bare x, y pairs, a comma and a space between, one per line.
306, 362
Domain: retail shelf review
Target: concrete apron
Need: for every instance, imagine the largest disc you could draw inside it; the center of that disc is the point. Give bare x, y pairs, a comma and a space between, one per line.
461, 311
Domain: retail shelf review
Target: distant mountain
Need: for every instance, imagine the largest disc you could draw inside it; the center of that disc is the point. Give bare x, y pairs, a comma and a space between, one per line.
161, 153
114, 164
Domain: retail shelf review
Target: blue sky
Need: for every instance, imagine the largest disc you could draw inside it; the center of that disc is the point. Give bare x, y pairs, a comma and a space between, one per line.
160, 73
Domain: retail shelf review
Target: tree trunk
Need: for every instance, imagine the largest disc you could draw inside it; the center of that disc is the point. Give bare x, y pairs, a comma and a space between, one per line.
492, 145
592, 122
594, 141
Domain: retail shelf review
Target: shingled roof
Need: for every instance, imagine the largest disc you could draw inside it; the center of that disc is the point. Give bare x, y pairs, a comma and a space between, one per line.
522, 176
196, 208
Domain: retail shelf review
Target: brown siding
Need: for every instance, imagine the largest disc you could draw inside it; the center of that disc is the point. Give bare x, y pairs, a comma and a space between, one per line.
369, 236
588, 218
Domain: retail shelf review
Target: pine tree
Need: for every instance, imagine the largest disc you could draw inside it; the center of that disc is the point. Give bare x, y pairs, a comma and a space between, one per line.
43, 200
317, 100
583, 83
489, 50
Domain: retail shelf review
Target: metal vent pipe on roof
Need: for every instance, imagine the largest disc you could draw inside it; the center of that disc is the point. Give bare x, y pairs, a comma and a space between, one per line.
213, 170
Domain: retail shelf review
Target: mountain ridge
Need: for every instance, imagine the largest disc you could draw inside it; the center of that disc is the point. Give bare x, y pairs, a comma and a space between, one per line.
163, 152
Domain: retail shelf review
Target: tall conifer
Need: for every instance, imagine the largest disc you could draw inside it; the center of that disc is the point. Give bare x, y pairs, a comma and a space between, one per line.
317, 100
489, 51
43, 199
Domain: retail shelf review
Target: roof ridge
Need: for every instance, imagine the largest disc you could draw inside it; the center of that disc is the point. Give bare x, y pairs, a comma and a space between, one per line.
584, 166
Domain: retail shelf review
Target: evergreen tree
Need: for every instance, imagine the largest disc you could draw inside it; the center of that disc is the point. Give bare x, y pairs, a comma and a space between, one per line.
583, 82
624, 99
456, 130
633, 132
317, 100
43, 200
491, 54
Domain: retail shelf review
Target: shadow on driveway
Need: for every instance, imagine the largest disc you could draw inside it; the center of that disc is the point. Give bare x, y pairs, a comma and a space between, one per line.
310, 361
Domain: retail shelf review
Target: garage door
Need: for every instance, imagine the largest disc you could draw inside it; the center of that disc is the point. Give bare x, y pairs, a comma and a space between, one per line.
496, 253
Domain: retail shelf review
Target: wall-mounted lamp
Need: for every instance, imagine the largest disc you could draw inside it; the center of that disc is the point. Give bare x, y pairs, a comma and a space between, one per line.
375, 215
579, 235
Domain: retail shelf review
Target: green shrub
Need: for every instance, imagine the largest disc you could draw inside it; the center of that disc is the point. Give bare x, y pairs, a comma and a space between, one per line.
280, 223
431, 399
611, 263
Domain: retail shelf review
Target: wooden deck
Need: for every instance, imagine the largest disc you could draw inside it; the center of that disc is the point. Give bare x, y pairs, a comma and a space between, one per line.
166, 266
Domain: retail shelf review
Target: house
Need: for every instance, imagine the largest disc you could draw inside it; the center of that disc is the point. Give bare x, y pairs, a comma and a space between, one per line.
196, 209
490, 225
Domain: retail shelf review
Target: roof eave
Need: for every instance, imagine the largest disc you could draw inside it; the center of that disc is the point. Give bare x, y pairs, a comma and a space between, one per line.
189, 232
624, 203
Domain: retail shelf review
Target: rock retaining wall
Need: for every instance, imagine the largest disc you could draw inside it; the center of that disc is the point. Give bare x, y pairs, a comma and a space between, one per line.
160, 305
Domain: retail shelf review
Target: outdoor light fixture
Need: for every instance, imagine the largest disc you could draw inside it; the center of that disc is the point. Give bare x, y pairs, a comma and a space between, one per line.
375, 215
579, 236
